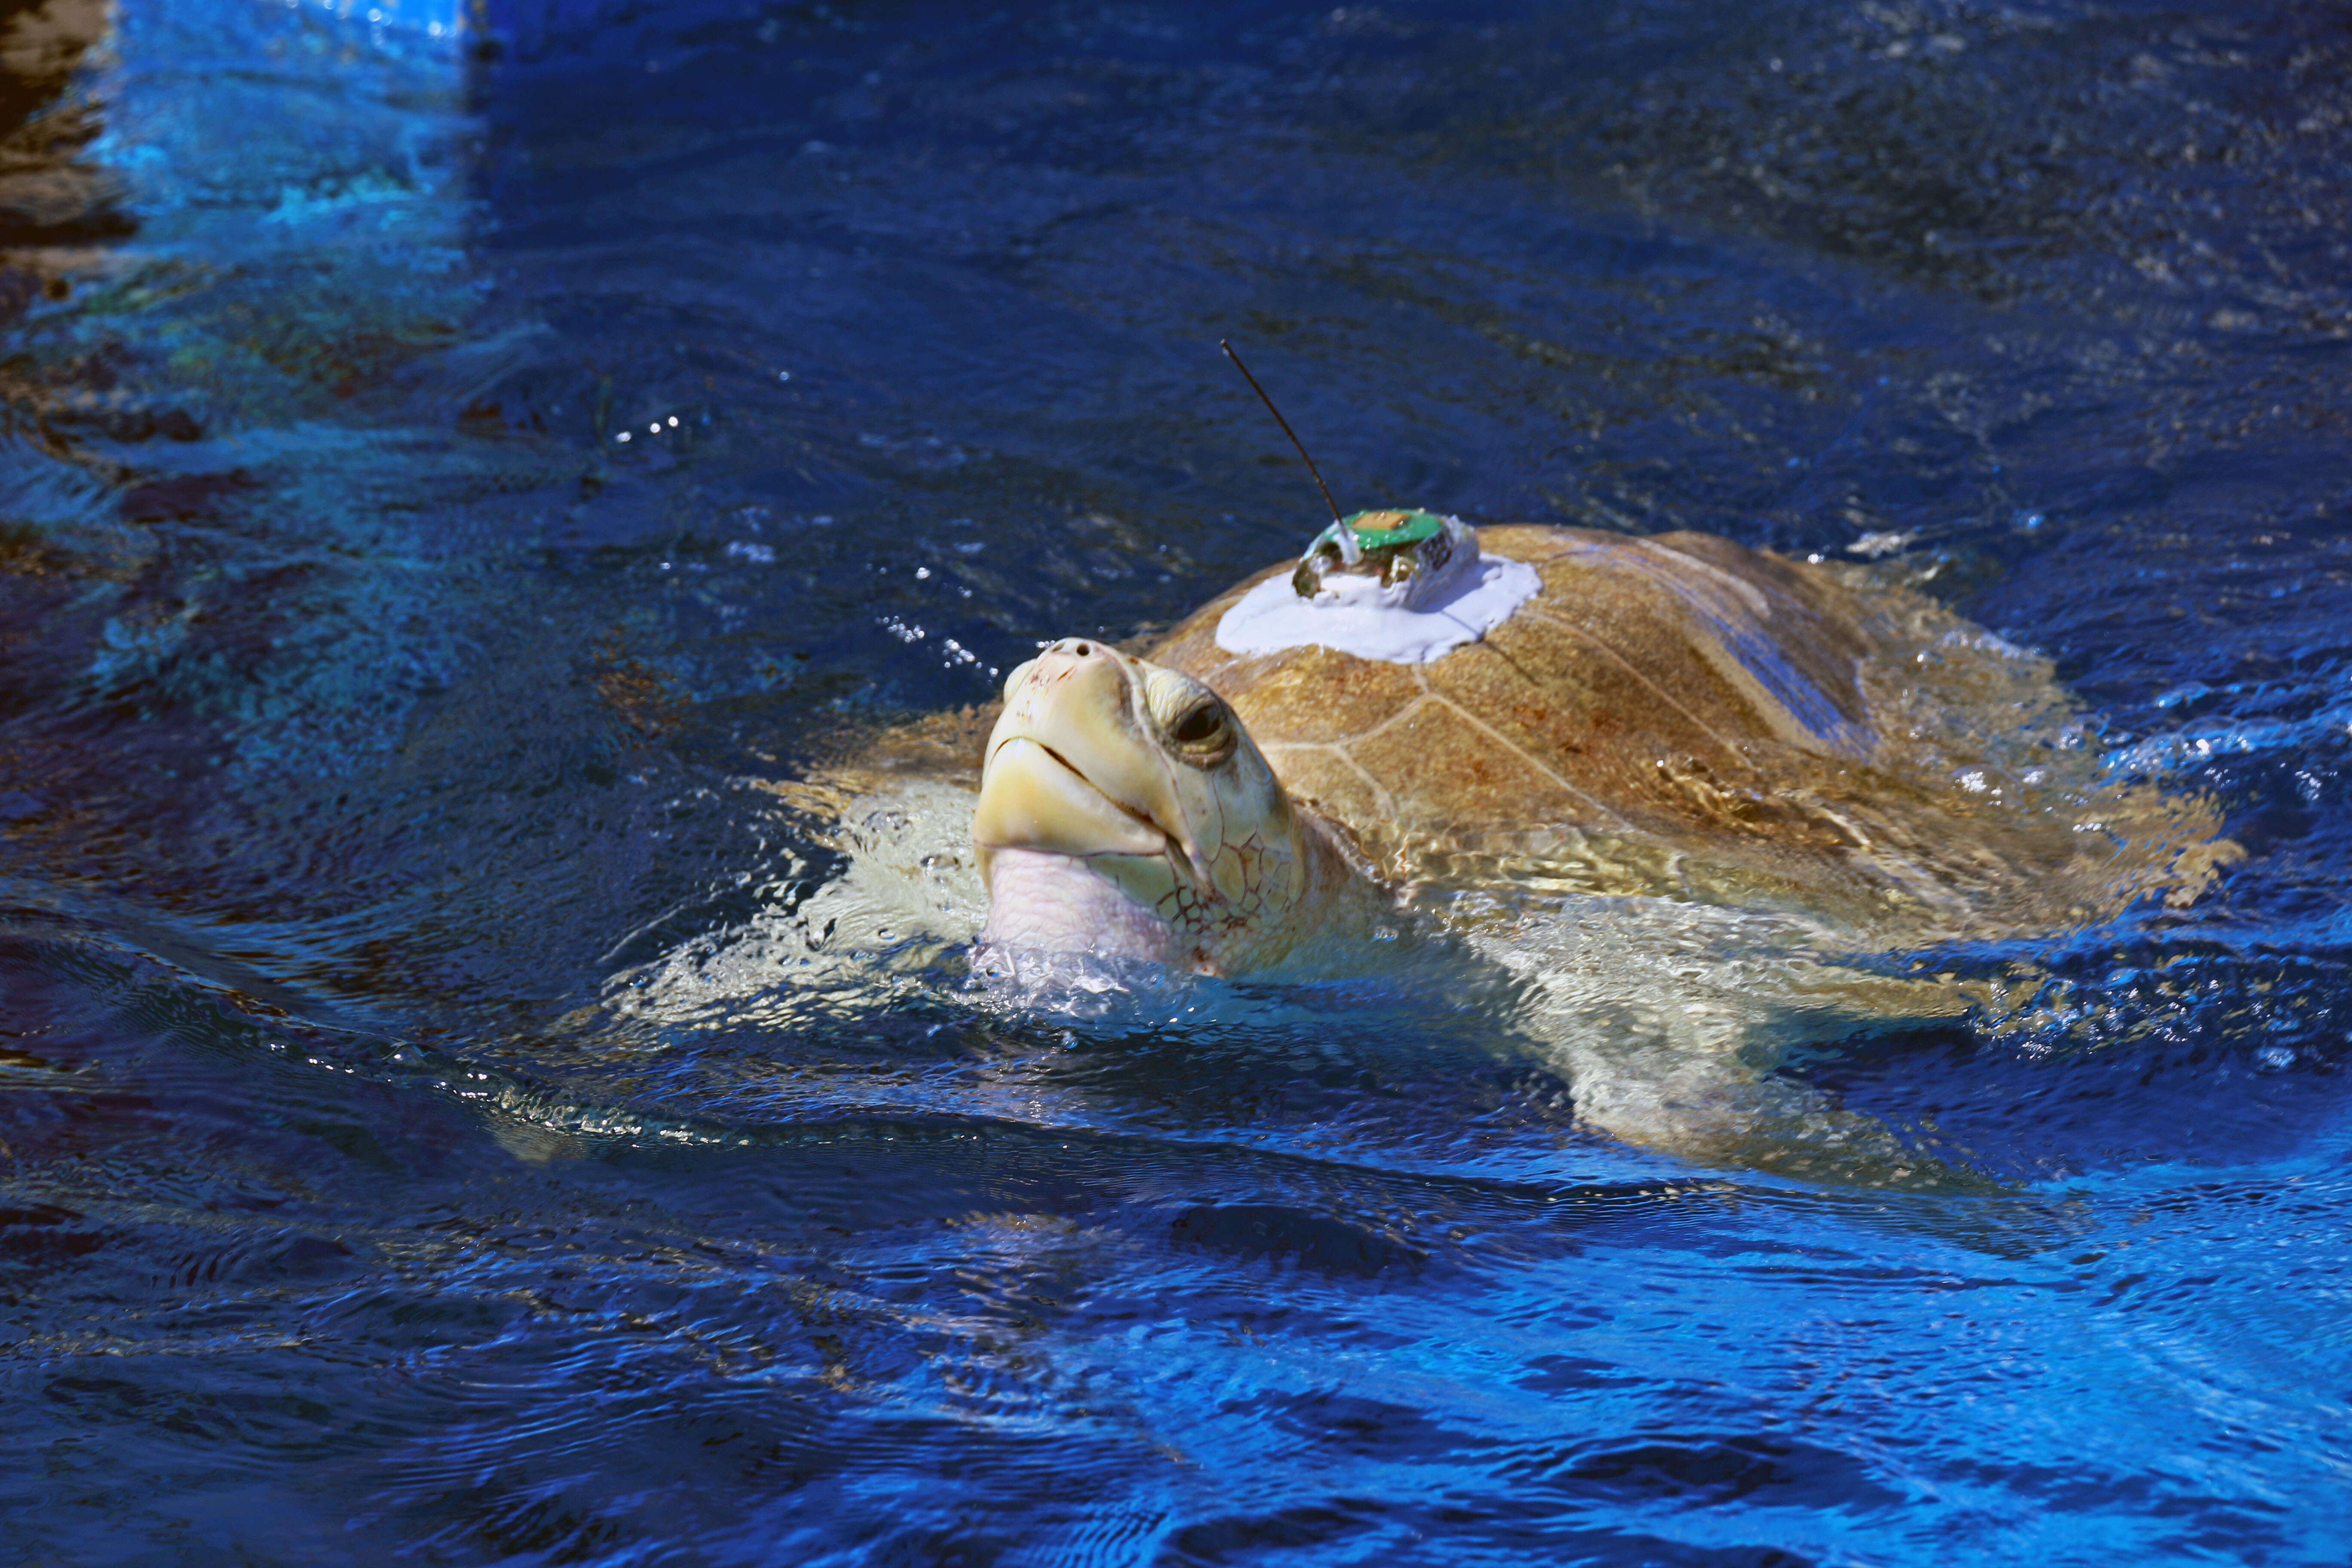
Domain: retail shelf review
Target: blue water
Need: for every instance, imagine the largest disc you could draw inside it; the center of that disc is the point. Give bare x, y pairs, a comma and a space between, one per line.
373, 720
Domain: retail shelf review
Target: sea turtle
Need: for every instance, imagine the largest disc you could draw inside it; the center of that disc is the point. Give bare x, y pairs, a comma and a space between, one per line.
1675, 716
1684, 796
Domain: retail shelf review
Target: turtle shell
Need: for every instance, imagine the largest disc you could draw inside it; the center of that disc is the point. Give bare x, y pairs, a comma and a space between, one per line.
1677, 715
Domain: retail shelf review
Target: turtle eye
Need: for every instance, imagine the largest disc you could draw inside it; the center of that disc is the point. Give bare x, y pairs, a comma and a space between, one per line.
1201, 732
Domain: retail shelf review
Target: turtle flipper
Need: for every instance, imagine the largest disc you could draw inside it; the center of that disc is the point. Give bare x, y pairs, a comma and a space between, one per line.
1717, 1111
1668, 1021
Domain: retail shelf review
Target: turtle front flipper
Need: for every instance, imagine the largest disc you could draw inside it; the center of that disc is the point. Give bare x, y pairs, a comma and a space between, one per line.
1668, 1021
1715, 1111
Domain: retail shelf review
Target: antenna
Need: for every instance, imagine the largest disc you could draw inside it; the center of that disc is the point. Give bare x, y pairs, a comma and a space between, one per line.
1286, 430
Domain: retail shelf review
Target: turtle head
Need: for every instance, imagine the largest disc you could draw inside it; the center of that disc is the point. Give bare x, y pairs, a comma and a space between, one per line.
1124, 810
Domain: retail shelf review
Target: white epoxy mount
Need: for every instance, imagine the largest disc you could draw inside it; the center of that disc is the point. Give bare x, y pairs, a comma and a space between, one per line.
1404, 587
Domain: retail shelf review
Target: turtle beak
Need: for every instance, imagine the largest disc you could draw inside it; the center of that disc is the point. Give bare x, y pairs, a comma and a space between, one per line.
1031, 799
1070, 769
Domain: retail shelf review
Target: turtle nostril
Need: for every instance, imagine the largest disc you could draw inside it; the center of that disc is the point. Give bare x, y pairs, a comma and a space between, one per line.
1081, 650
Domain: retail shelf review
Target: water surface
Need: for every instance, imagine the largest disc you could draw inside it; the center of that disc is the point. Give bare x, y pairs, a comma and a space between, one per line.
385, 742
